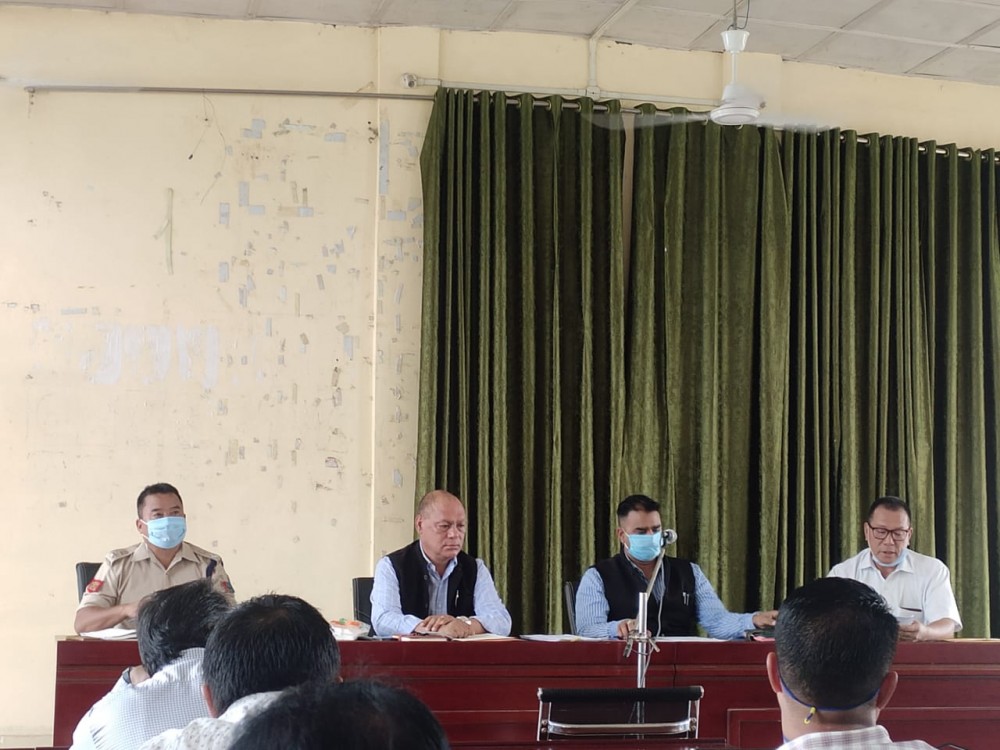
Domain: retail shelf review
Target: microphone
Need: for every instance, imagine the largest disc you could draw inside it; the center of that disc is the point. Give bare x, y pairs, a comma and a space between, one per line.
669, 537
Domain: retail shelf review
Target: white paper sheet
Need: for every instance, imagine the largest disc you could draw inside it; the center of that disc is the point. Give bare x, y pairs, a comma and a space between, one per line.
111, 634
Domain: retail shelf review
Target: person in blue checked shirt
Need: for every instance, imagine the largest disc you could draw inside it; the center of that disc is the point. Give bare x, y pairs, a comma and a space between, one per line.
433, 586
682, 598
165, 691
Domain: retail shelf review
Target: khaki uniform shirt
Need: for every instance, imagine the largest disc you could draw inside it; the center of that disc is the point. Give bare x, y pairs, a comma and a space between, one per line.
129, 574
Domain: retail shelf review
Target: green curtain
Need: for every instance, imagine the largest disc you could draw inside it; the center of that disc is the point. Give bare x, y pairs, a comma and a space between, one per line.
815, 321
707, 343
522, 334
809, 321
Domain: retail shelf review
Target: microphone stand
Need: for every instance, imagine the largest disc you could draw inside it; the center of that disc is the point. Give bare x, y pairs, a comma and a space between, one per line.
640, 638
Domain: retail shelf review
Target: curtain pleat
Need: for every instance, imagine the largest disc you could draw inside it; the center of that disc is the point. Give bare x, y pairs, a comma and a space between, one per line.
522, 334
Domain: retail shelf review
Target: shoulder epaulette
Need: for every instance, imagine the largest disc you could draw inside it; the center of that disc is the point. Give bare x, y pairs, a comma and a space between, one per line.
117, 554
205, 553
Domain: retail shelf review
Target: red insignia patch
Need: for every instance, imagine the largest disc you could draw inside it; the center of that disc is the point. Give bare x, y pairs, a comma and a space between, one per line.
226, 586
94, 586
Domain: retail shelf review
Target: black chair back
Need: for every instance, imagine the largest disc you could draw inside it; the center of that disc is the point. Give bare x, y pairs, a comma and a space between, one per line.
85, 572
363, 599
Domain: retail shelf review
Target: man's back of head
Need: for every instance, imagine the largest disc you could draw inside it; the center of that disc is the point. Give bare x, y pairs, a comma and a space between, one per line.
175, 619
835, 639
357, 715
268, 643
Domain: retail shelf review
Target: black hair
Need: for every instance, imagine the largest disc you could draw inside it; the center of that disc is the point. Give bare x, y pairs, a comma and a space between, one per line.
175, 619
161, 488
835, 640
890, 502
358, 715
268, 643
636, 502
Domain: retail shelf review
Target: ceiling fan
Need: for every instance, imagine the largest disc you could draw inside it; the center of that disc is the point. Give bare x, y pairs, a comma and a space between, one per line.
739, 105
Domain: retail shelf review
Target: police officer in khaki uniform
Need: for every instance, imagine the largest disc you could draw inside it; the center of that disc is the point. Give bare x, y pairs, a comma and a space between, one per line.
161, 560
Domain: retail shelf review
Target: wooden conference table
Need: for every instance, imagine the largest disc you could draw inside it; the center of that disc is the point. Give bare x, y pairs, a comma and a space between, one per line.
485, 692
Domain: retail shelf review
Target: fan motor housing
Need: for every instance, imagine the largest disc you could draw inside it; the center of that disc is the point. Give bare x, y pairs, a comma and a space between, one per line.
734, 114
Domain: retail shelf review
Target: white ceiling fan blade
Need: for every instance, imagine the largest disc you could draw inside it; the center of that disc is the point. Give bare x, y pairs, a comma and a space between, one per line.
670, 117
627, 120
791, 121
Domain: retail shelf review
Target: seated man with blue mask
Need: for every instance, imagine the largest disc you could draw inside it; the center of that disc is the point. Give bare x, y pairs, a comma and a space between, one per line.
161, 560
607, 599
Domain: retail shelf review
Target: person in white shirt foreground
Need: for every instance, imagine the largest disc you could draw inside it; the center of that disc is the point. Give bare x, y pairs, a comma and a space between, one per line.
263, 646
165, 692
835, 640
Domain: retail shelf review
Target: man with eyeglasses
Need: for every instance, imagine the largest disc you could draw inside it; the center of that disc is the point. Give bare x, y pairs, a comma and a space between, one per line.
431, 586
916, 587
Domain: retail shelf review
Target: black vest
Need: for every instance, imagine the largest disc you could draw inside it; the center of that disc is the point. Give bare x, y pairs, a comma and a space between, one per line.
623, 582
414, 598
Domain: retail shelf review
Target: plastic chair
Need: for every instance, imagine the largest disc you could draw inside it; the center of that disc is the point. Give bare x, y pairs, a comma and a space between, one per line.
362, 588
85, 572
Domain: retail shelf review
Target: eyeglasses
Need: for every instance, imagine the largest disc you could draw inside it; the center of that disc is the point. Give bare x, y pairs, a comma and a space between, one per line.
898, 535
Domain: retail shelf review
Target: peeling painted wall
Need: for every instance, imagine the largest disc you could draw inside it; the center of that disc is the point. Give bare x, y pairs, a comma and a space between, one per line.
222, 292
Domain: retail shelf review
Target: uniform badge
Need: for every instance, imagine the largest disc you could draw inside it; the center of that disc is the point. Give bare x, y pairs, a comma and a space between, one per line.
94, 586
226, 586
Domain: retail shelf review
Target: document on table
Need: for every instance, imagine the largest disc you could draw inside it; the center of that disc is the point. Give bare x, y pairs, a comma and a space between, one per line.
111, 634
686, 639
558, 637
423, 635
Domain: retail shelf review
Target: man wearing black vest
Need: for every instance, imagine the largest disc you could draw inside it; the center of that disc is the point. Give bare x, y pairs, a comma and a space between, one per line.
682, 598
433, 586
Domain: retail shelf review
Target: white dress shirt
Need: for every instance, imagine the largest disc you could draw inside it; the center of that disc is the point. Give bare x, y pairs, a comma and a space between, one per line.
387, 612
213, 734
131, 714
920, 586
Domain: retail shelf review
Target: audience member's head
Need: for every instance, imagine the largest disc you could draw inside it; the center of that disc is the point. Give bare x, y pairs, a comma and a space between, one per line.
346, 716
834, 643
268, 643
175, 619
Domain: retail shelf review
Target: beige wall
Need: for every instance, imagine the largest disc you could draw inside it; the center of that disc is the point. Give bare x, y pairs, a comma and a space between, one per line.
224, 291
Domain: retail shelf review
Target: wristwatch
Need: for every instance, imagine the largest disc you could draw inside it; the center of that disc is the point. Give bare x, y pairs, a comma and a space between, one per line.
466, 620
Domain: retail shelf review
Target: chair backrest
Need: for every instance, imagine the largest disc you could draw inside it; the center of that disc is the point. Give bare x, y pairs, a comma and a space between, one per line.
619, 712
569, 594
362, 588
85, 572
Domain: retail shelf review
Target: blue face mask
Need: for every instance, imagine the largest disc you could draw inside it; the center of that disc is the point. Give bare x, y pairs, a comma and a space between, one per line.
167, 532
899, 560
644, 547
